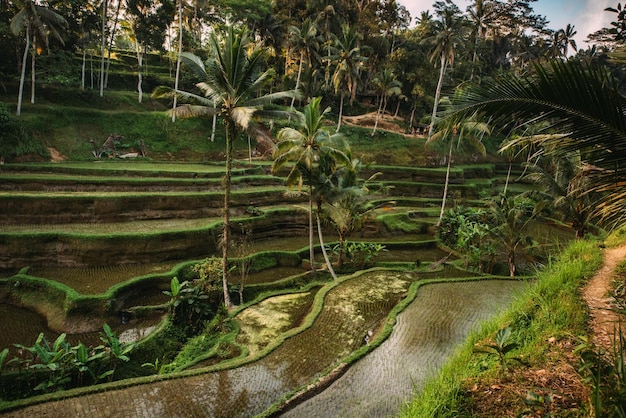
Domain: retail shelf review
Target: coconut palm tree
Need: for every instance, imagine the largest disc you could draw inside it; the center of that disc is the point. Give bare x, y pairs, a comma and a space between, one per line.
304, 41
180, 50
232, 88
445, 39
349, 60
579, 101
509, 219
567, 38
37, 22
349, 202
306, 148
468, 130
388, 85
563, 181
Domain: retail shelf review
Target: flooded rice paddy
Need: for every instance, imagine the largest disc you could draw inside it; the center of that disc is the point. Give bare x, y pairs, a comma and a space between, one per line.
427, 332
23, 326
425, 335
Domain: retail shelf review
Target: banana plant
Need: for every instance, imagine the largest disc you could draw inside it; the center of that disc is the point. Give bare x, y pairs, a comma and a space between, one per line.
89, 360
116, 350
501, 347
52, 359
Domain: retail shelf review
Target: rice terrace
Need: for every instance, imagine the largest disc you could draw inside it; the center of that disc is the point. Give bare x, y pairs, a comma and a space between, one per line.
303, 209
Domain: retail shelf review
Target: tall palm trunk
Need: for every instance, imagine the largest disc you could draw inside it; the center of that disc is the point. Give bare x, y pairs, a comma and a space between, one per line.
20, 94
319, 233
445, 187
311, 248
213, 124
340, 113
139, 51
104, 21
378, 112
111, 39
442, 71
32, 71
230, 136
180, 49
82, 69
293, 99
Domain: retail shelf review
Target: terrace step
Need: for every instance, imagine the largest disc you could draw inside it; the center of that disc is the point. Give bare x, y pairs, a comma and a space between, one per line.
82, 245
48, 182
69, 207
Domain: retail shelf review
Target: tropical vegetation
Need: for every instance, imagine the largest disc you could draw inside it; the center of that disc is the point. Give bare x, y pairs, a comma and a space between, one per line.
493, 82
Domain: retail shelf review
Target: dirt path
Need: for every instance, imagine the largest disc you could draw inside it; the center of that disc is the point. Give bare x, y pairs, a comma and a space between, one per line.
603, 319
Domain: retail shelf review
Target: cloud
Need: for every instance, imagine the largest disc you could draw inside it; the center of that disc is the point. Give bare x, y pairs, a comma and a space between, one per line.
592, 18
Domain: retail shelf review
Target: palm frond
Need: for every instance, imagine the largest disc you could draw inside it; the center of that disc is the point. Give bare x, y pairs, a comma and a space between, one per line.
194, 63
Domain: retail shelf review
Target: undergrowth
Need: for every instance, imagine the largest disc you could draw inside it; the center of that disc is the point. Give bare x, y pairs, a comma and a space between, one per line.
551, 310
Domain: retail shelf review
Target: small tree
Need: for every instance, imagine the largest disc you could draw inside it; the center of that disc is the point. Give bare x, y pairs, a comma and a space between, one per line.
509, 220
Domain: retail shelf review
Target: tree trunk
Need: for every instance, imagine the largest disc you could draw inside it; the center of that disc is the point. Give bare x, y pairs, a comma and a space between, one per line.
508, 176
311, 248
511, 260
380, 107
340, 112
139, 74
180, 49
214, 123
230, 136
293, 99
445, 187
32, 72
342, 244
20, 93
82, 70
319, 232
444, 64
111, 39
104, 21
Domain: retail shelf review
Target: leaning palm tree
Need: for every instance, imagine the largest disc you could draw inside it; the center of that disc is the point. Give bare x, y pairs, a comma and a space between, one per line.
306, 147
37, 22
458, 132
581, 102
232, 88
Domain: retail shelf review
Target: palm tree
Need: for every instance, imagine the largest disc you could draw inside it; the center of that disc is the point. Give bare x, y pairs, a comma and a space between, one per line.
180, 50
481, 18
567, 38
306, 148
232, 89
388, 85
509, 219
445, 39
326, 15
38, 22
580, 101
458, 132
349, 206
564, 182
305, 42
349, 61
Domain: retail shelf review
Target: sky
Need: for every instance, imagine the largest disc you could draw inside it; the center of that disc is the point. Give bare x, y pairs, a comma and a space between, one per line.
587, 16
